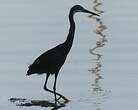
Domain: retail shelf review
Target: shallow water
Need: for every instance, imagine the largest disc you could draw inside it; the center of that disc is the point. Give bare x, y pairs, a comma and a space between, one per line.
30, 27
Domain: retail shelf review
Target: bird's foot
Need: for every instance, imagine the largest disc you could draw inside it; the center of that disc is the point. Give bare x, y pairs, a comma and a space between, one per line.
59, 98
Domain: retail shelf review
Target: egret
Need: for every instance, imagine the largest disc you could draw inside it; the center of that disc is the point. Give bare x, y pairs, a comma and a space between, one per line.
52, 60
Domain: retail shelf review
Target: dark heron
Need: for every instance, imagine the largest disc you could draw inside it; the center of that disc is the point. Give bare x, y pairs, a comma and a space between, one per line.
51, 61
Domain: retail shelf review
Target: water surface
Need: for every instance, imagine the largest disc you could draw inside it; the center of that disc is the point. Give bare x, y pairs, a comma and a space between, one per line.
30, 27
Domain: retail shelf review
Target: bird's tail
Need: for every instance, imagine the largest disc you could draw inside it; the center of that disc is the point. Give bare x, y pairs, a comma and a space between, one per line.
29, 72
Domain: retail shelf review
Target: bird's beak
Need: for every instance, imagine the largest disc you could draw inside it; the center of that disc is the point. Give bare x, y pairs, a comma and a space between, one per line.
86, 11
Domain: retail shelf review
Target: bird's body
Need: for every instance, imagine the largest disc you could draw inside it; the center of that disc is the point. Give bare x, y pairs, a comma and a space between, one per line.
51, 61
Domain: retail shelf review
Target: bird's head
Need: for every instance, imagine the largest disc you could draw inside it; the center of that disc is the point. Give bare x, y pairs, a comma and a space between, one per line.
78, 8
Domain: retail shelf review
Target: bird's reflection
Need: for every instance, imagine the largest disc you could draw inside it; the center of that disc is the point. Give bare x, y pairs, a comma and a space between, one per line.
97, 88
41, 103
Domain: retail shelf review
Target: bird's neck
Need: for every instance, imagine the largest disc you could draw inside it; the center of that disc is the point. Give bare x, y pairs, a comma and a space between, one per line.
70, 37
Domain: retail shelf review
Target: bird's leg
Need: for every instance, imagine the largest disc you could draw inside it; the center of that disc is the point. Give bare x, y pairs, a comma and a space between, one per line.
54, 88
45, 88
60, 96
47, 76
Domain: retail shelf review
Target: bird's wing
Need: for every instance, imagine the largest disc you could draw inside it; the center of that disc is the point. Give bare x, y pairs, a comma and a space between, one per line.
50, 58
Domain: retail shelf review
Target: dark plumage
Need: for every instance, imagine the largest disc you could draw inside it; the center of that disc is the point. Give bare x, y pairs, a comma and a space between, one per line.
51, 61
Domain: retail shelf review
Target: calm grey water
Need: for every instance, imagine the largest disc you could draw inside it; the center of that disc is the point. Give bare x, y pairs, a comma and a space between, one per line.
30, 27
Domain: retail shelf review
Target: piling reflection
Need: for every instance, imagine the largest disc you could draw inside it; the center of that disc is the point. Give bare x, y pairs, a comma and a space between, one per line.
97, 88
